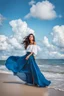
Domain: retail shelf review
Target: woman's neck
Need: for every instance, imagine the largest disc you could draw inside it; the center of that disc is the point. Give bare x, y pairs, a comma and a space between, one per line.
31, 42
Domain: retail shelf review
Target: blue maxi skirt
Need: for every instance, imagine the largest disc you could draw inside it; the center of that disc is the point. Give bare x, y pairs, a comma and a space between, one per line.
27, 70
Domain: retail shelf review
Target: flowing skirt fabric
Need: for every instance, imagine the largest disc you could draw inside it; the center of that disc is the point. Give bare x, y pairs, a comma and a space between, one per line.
26, 70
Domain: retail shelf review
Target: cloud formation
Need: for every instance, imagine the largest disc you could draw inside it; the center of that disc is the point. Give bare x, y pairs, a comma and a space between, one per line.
55, 49
32, 2
58, 35
20, 29
1, 19
12, 45
43, 10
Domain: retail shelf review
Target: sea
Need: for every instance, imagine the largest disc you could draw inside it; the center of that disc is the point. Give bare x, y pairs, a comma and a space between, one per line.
52, 69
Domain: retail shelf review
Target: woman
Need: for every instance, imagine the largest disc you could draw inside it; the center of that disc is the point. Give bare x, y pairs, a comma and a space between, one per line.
25, 67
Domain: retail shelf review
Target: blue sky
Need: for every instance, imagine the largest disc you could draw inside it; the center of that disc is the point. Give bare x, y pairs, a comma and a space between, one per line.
41, 24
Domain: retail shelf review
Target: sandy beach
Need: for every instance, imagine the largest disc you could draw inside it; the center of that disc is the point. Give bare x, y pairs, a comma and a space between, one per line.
12, 86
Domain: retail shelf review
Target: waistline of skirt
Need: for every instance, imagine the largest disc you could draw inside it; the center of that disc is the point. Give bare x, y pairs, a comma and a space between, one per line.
27, 53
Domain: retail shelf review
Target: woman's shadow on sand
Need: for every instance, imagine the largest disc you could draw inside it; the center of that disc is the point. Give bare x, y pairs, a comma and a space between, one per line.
17, 83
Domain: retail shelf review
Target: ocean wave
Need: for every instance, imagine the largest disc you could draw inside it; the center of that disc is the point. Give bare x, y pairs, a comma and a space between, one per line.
5, 72
57, 78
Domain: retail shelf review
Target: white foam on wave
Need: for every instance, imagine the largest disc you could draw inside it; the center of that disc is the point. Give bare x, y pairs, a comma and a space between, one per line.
3, 69
57, 80
5, 72
43, 65
56, 88
53, 75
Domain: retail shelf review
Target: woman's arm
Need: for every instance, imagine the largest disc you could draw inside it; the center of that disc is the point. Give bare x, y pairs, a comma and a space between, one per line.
29, 55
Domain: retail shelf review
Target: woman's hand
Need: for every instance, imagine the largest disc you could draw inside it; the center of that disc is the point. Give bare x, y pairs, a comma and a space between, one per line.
27, 57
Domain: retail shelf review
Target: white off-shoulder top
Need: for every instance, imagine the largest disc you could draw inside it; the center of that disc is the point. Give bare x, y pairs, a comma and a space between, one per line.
33, 48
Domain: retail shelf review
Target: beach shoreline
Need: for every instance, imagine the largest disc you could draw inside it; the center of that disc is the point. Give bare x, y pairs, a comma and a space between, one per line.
11, 85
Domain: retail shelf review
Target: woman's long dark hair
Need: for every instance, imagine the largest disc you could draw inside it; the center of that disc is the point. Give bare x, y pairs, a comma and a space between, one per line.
26, 40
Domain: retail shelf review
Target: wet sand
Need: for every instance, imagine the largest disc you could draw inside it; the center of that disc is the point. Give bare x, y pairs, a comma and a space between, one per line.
12, 86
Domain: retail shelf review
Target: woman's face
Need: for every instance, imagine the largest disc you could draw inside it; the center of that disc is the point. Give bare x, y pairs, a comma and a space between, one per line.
31, 37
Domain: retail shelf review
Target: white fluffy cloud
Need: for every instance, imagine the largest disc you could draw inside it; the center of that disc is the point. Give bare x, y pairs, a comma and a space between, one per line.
55, 49
43, 10
56, 55
46, 43
58, 35
12, 45
20, 29
8, 43
3, 42
31, 2
1, 19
